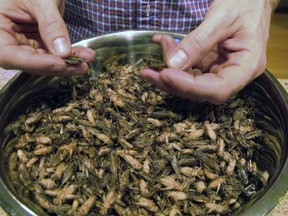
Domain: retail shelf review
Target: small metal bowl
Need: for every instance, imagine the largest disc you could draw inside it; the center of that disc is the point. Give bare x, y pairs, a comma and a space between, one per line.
22, 89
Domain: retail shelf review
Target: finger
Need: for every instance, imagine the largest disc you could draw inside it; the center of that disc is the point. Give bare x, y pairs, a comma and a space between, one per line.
200, 41
37, 62
159, 81
154, 77
28, 59
213, 87
33, 50
52, 28
167, 42
76, 70
29, 48
23, 40
20, 38
188, 86
33, 43
85, 52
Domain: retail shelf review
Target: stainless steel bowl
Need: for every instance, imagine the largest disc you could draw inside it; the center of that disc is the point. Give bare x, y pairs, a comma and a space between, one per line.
16, 96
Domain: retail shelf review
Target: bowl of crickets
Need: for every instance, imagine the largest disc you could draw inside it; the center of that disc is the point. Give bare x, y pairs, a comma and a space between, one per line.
110, 143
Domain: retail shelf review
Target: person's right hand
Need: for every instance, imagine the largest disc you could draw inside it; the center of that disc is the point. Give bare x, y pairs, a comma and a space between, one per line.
34, 38
226, 52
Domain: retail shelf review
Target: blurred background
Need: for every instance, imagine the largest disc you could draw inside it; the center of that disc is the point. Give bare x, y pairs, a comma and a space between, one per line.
277, 51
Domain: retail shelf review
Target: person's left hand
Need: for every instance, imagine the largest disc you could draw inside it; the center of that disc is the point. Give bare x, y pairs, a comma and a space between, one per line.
219, 58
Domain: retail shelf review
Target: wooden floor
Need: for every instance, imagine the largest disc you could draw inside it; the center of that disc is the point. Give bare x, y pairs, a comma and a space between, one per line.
277, 51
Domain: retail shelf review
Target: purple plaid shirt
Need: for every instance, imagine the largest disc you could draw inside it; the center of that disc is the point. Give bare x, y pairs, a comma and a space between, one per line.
86, 18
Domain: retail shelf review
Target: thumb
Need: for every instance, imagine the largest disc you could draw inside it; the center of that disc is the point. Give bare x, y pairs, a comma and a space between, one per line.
192, 49
52, 28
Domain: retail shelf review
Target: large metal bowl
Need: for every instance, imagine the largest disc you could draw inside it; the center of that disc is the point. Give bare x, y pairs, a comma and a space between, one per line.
16, 96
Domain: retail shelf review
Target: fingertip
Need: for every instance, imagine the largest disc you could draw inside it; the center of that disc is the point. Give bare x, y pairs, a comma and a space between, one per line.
149, 75
157, 37
77, 69
154, 78
61, 47
168, 44
88, 54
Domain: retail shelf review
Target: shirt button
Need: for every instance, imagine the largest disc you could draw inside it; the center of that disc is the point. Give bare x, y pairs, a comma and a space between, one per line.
148, 10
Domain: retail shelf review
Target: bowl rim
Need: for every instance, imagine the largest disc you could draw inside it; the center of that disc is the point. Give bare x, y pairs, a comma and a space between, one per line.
261, 206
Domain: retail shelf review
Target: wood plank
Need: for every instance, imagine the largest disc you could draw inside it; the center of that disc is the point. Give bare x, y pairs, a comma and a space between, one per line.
277, 50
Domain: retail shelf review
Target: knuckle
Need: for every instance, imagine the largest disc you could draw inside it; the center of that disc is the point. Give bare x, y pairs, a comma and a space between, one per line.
54, 25
199, 42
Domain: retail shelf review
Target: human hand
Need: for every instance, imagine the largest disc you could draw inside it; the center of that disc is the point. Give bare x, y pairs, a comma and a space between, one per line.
34, 38
226, 52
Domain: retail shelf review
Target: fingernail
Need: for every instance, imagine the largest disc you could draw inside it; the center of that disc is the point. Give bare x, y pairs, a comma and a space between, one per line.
61, 46
178, 60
